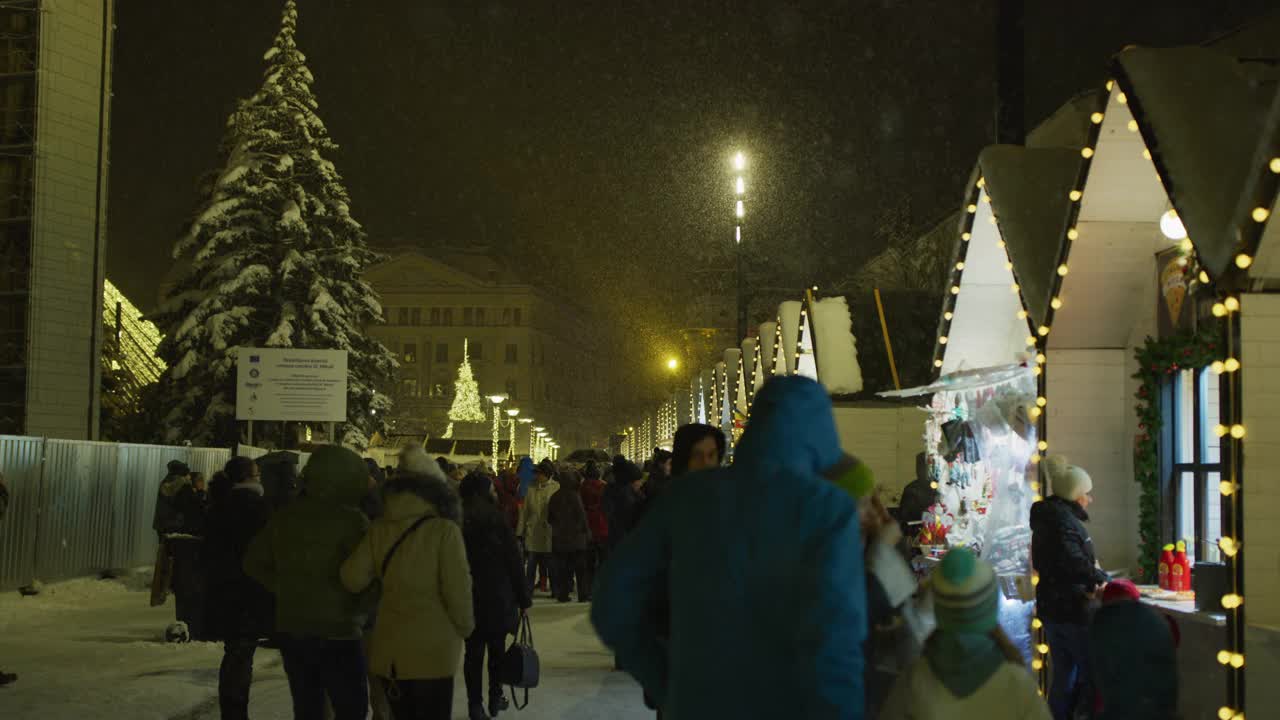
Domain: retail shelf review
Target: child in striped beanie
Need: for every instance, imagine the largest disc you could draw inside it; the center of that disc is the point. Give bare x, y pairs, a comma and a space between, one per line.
969, 667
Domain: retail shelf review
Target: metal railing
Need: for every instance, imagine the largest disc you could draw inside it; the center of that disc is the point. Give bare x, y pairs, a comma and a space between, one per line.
79, 508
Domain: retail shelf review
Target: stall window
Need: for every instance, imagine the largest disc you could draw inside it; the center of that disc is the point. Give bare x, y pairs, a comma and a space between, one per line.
1193, 462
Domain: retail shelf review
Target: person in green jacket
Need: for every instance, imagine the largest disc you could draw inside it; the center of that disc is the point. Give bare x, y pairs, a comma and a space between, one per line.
297, 557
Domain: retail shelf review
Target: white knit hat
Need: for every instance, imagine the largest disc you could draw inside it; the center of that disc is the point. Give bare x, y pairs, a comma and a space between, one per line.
1068, 481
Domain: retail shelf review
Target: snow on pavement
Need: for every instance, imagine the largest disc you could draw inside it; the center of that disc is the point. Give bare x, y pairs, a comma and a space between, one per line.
93, 648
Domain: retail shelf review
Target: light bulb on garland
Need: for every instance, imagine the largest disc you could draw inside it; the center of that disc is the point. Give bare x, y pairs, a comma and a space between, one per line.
1219, 310
1231, 601
1237, 431
1232, 303
1224, 657
1218, 367
1075, 195
1227, 488
1274, 165
1243, 261
1056, 303
1096, 118
1204, 277
1228, 546
1073, 234
1086, 152
1231, 364
1260, 214
965, 236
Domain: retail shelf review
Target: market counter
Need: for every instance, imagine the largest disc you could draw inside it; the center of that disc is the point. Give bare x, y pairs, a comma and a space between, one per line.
1202, 682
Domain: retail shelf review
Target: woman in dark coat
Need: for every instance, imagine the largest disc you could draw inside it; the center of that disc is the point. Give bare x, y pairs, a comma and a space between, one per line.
569, 537
498, 589
623, 499
239, 610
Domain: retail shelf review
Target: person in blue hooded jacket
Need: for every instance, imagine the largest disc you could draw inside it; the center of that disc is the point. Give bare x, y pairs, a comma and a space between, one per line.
524, 471
763, 572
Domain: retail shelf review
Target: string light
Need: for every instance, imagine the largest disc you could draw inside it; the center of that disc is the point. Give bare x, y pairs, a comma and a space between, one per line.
1008, 266
1037, 664
1231, 601
1146, 154
1204, 277
1120, 98
1110, 84
960, 265
1056, 303
1072, 234
1043, 445
947, 315
1062, 270
1231, 365
971, 208
1232, 304
942, 340
1186, 245
1228, 546
955, 289
1096, 118
1237, 662
1274, 165
1039, 370
1040, 358
1243, 261
1075, 195
1218, 367
937, 363
965, 236
1031, 341
1043, 330
1086, 152
1022, 314
1227, 488
1014, 288
1224, 657
1225, 713
1035, 458
1042, 648
1221, 430
991, 219
1035, 413
1237, 431
1036, 624
1000, 243
1260, 214
1041, 401
1219, 309
1035, 486
1133, 126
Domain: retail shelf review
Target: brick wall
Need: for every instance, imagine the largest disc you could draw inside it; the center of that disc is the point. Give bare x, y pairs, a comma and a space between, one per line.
1260, 375
1087, 412
66, 278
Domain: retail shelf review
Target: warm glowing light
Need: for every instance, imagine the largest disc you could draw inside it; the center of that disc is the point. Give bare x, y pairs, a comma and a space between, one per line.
1022, 314
1133, 126
1000, 243
1218, 367
1041, 401
1043, 330
1039, 370
1008, 266
1219, 309
965, 236
1035, 458
1171, 225
1203, 277
1227, 488
1040, 358
1062, 270
513, 412
497, 399
942, 340
1237, 661
737, 234
982, 182
1224, 657
1073, 234
955, 289
1274, 165
1031, 340
1243, 261
991, 219
1120, 98
960, 265
1146, 154
739, 161
1056, 303
1075, 195
1013, 287
1231, 364
740, 186
1237, 431
1110, 84
1224, 713
937, 363
1260, 214
1232, 304
1221, 430
947, 315
1228, 546
971, 208
1042, 649
1035, 413
1096, 118
1042, 445
1036, 624
1231, 601
1037, 664
1086, 152
739, 210
672, 363
1185, 246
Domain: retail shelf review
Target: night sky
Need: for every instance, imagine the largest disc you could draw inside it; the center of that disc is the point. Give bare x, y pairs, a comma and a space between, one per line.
589, 142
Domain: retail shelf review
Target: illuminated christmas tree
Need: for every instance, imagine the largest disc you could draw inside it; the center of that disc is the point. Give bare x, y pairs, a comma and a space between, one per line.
466, 393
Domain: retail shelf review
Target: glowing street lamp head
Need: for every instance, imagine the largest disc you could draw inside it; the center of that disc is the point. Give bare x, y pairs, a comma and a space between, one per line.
740, 186
740, 210
539, 430
672, 363
527, 421
497, 399
513, 412
739, 161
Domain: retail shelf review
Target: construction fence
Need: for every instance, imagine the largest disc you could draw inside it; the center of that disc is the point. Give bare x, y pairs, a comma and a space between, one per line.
78, 508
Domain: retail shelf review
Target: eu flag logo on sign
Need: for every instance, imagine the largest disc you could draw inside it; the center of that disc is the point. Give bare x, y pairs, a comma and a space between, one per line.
253, 358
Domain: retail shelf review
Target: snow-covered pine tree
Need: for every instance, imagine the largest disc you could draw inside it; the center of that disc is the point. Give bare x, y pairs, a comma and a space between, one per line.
466, 393
273, 259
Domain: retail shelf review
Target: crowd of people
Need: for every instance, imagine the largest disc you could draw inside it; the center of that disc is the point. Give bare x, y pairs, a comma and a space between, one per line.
784, 569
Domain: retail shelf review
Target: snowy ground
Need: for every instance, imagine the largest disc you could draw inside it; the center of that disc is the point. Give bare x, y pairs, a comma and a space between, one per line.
93, 648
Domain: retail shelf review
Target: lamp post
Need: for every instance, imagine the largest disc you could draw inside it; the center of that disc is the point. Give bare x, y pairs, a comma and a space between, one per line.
539, 433
497, 401
739, 211
511, 447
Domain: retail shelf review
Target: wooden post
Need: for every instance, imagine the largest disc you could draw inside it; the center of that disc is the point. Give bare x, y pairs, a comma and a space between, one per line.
888, 348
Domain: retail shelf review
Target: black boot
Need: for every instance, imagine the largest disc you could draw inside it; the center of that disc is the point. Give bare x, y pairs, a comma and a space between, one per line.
497, 702
476, 712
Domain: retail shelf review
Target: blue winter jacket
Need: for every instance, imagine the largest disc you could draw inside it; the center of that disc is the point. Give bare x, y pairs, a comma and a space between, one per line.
762, 563
524, 473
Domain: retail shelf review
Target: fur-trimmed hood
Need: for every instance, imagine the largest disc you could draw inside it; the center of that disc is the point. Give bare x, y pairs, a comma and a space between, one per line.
432, 489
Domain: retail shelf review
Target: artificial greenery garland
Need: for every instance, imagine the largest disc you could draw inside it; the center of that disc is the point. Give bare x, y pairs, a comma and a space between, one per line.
1157, 361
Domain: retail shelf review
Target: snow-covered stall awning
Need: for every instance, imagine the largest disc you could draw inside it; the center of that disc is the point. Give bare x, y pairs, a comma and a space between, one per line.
746, 376
1020, 203
732, 374
828, 351
706, 397
786, 339
1207, 120
764, 355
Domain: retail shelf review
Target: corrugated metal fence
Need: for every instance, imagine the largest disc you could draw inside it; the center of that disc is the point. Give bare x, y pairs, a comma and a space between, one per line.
78, 507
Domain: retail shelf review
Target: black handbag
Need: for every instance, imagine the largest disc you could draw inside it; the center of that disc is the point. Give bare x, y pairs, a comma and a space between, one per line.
520, 667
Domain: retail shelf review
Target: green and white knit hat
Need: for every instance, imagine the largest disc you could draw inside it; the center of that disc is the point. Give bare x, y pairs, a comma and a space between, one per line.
965, 596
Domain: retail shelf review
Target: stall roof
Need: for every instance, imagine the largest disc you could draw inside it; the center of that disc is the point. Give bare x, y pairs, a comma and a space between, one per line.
1202, 115
963, 380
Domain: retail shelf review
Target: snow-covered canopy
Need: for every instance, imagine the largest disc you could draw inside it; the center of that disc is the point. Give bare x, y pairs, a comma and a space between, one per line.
732, 373
1012, 235
747, 375
764, 354
834, 348
786, 338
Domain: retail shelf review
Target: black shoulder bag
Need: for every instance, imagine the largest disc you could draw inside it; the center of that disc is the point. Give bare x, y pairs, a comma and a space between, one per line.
520, 667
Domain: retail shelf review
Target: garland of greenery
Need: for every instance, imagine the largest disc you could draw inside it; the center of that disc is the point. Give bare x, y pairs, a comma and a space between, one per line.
1157, 360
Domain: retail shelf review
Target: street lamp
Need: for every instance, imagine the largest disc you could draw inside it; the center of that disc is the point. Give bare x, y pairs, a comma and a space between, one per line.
739, 212
511, 447
529, 421
673, 364
497, 401
536, 450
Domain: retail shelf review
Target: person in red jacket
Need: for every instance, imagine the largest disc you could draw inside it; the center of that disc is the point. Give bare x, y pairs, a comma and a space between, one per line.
592, 492
507, 486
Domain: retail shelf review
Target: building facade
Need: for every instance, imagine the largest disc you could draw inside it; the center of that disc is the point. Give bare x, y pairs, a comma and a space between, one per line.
521, 342
55, 72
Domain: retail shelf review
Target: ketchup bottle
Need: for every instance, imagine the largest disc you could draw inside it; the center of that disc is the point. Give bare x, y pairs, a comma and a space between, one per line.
1180, 571
1166, 565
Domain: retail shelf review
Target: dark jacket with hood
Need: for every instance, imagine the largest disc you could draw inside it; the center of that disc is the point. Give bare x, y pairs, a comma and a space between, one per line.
1134, 662
763, 567
498, 588
237, 606
622, 503
1062, 555
298, 554
568, 517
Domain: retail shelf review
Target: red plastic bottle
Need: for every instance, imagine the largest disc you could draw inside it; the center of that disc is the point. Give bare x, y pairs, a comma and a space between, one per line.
1180, 571
1166, 565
